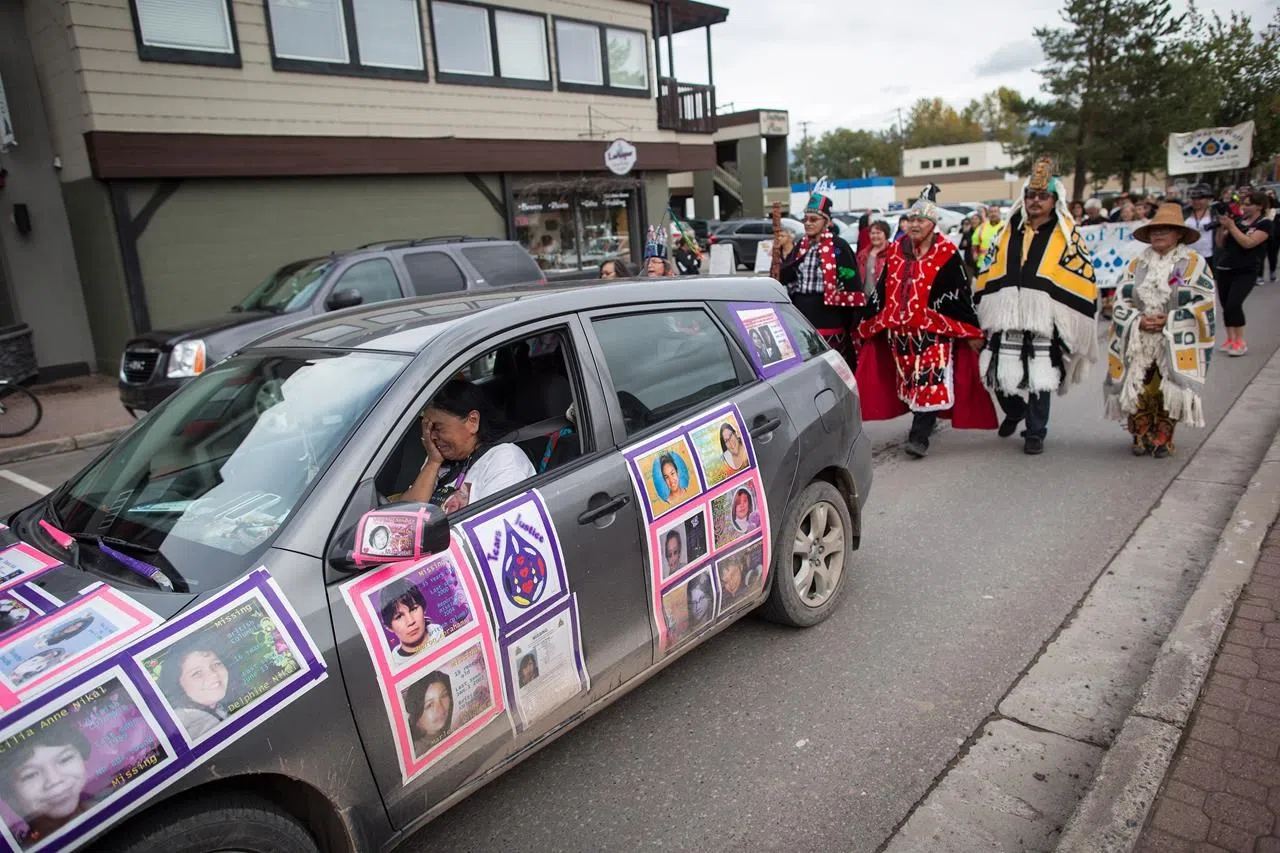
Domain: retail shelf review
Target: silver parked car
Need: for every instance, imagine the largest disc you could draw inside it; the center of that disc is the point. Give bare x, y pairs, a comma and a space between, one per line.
348, 575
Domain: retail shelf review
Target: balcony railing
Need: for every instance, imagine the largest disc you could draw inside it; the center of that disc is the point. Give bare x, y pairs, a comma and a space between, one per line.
686, 107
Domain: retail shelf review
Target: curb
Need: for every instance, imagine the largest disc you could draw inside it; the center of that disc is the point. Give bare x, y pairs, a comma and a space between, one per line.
1113, 813
37, 449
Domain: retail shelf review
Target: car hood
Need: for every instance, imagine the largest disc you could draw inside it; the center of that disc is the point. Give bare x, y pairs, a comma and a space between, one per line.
221, 334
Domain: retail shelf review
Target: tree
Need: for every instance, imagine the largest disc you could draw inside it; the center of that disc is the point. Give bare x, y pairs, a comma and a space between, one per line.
1000, 114
848, 153
933, 122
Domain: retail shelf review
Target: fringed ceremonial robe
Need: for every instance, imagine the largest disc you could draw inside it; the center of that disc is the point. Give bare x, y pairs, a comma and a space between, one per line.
1037, 301
913, 358
1180, 285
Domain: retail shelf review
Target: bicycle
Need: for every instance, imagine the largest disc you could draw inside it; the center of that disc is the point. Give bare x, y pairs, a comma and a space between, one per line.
20, 410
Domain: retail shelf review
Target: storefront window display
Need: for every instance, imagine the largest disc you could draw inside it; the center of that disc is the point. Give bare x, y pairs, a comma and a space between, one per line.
575, 230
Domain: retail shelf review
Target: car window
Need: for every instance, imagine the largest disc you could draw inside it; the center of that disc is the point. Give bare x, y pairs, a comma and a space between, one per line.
757, 228
374, 279
502, 265
524, 395
433, 272
664, 364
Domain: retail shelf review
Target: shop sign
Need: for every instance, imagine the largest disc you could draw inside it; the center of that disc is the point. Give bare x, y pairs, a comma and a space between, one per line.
7, 139
775, 122
620, 157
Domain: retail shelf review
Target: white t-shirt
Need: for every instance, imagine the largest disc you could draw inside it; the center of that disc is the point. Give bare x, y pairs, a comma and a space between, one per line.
1203, 246
501, 466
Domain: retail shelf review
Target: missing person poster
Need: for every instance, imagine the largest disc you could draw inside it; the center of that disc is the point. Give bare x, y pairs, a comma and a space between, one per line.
544, 665
67, 764
20, 562
769, 343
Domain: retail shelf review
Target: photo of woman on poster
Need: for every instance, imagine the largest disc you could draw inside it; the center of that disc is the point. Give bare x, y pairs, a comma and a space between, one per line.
745, 518
43, 780
64, 632
196, 681
733, 448
528, 670
36, 664
702, 602
429, 707
733, 587
671, 480
12, 614
673, 554
403, 609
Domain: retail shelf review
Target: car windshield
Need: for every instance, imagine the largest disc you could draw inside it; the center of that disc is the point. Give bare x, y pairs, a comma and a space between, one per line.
289, 288
201, 485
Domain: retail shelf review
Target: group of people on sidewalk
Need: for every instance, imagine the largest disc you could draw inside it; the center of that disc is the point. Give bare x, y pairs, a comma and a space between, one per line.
924, 338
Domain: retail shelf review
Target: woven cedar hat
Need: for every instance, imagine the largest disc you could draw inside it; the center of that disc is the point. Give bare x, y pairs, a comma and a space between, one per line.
1168, 215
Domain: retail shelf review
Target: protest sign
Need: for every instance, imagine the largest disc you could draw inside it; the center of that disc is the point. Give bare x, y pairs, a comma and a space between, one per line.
1211, 149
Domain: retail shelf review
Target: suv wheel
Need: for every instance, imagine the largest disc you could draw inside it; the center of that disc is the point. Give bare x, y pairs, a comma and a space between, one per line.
219, 822
810, 558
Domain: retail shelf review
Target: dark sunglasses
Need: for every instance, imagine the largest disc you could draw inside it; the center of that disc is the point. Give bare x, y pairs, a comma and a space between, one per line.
1037, 195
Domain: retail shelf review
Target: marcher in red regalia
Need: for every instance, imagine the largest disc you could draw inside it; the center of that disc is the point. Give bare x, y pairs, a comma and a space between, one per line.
821, 275
921, 340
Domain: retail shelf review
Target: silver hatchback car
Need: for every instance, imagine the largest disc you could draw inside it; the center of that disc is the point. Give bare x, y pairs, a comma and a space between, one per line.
357, 570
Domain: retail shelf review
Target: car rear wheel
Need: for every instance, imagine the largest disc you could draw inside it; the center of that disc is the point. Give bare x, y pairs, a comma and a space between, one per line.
810, 558
221, 823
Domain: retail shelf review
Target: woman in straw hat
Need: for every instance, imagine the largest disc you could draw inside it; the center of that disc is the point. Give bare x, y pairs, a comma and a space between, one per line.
1162, 335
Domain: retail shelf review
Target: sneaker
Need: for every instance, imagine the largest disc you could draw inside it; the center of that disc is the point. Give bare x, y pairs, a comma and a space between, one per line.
1162, 452
916, 449
1139, 449
1227, 346
1008, 426
1240, 348
1033, 446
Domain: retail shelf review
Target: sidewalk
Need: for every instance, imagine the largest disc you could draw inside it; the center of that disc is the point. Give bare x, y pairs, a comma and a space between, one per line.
81, 412
1223, 789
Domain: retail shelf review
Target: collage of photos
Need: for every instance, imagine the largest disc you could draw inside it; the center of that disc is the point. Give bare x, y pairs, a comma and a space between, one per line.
769, 343
20, 562
21, 604
389, 536
75, 757
71, 638
689, 548
427, 632
544, 665
518, 553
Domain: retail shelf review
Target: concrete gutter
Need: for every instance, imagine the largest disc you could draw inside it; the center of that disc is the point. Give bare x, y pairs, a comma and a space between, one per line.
1111, 816
37, 449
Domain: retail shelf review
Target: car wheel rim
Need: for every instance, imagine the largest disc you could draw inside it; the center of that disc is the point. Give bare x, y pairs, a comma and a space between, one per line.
818, 554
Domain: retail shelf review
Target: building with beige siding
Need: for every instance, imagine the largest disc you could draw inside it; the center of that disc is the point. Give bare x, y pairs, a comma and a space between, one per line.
173, 153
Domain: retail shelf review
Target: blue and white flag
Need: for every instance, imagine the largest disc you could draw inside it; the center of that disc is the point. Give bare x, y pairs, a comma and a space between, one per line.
1213, 149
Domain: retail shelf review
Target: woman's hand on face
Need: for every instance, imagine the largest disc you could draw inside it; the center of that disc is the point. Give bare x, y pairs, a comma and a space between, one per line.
433, 452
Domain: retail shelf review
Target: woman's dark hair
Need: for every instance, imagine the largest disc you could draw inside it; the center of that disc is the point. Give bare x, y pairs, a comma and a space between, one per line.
1259, 198
724, 446
751, 502
415, 697
460, 398
391, 596
171, 669
66, 733
667, 459
620, 267
881, 226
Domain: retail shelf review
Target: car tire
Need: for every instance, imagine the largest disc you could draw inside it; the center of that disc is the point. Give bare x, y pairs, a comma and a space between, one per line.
219, 822
812, 558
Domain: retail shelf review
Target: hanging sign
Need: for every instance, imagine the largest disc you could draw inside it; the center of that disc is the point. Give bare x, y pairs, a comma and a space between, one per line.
1212, 149
620, 157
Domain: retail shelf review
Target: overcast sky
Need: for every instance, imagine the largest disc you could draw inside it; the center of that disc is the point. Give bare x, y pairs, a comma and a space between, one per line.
875, 56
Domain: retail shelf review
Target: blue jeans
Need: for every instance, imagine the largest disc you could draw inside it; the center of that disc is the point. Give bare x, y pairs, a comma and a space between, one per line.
1034, 410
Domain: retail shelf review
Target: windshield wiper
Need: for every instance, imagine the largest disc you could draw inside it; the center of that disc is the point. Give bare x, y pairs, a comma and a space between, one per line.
110, 546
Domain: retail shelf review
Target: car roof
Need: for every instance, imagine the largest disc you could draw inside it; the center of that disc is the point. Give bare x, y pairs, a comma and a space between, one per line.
397, 243
408, 325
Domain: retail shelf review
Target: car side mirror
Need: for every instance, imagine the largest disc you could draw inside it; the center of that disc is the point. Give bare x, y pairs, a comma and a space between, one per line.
348, 298
392, 534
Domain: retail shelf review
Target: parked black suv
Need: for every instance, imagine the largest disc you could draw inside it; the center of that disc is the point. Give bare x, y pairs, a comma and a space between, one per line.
157, 363
745, 234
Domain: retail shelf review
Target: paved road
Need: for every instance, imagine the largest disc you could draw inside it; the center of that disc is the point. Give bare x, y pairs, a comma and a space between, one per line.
770, 739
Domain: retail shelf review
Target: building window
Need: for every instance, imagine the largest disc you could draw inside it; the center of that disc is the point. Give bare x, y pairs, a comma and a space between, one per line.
951, 161
937, 164
964, 161
924, 164
200, 32
489, 46
574, 230
594, 58
381, 38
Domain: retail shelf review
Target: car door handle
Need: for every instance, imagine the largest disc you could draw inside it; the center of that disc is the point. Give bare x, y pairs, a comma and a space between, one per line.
609, 507
761, 430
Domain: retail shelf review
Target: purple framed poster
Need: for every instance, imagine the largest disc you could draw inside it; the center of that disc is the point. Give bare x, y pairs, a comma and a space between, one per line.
519, 556
769, 344
543, 666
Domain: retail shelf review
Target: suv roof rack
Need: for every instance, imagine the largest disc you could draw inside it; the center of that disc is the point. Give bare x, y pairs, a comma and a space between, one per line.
408, 242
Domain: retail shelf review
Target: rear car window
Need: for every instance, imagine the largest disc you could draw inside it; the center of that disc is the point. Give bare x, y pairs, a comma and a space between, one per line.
431, 273
503, 265
807, 338
664, 364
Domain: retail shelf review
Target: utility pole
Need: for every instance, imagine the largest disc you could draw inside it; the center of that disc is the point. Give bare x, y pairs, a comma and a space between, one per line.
804, 146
